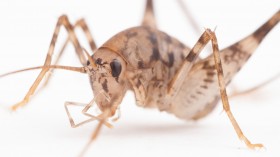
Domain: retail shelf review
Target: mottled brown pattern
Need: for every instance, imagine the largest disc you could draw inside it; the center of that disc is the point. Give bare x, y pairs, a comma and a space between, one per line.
105, 86
162, 72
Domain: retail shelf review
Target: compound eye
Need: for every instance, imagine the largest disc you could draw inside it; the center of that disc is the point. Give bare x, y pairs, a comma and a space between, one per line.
116, 68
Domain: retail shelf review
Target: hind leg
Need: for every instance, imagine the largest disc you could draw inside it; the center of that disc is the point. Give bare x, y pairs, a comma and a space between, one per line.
182, 73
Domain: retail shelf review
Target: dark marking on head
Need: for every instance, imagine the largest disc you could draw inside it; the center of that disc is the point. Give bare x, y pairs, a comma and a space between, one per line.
88, 63
92, 79
98, 61
105, 86
116, 68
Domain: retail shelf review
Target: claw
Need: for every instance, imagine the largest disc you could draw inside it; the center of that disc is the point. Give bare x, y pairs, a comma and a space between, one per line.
20, 104
255, 146
117, 115
250, 145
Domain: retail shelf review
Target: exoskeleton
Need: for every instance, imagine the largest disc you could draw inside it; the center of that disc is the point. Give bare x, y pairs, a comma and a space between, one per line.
162, 72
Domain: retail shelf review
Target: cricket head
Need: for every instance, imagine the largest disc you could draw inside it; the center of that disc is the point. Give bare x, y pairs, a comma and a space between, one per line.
106, 71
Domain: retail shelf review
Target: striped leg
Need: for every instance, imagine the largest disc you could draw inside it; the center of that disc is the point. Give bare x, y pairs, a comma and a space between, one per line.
62, 21
176, 83
79, 24
224, 97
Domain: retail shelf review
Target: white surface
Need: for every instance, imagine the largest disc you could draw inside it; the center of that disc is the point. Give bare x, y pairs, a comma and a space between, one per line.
42, 128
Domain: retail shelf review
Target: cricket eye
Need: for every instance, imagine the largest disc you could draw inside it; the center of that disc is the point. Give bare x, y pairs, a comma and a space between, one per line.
116, 68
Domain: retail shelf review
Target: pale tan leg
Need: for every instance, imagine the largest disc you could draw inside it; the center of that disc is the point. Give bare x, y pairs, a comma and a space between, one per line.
73, 124
226, 106
84, 111
197, 28
62, 21
208, 35
102, 118
176, 83
255, 88
189, 16
79, 24
149, 17
95, 133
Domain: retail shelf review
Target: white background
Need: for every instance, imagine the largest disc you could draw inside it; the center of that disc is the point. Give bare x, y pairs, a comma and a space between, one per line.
42, 128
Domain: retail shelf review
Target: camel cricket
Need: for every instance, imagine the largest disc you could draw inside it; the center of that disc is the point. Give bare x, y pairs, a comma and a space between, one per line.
162, 72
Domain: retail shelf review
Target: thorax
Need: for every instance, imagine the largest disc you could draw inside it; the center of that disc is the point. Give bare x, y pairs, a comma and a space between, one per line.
152, 58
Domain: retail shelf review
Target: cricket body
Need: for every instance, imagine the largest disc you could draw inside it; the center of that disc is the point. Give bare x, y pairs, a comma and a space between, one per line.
151, 62
161, 71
